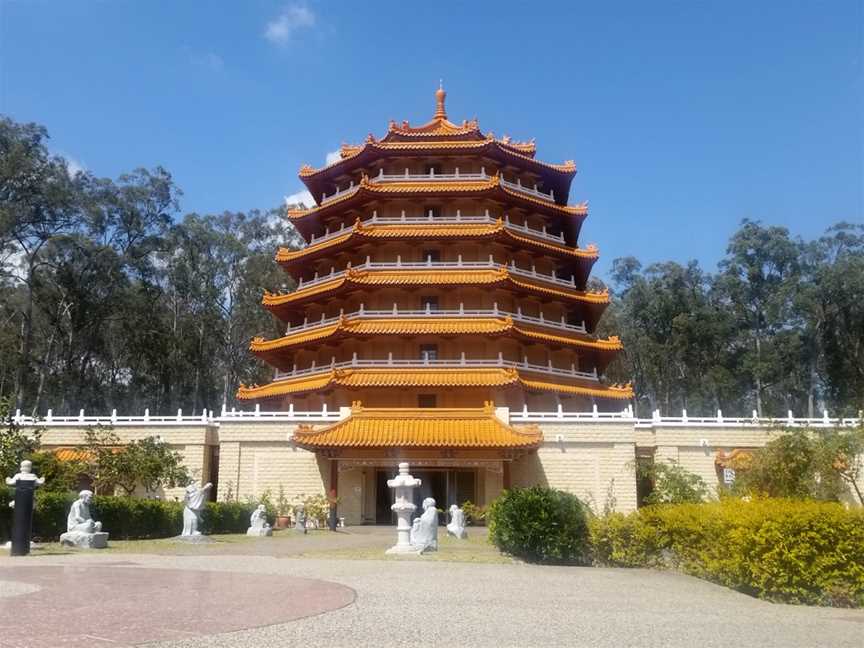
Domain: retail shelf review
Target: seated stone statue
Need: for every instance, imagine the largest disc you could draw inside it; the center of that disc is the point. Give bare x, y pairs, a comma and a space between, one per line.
81, 530
456, 527
425, 538
258, 523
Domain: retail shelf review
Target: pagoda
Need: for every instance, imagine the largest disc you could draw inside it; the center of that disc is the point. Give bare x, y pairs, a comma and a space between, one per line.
442, 272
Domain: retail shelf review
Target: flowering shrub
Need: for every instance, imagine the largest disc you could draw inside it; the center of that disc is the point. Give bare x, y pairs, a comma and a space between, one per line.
795, 551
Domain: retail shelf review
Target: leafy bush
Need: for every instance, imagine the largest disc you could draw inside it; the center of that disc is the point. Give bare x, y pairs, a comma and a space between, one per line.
820, 464
672, 484
125, 518
539, 524
777, 549
474, 514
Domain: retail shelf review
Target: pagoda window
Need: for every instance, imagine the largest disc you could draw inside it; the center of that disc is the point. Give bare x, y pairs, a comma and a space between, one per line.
429, 303
427, 400
429, 352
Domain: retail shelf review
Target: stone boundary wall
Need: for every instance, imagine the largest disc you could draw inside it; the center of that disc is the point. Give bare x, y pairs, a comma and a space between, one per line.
591, 455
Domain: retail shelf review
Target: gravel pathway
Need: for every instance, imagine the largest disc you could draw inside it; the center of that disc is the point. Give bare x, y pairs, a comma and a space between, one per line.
421, 603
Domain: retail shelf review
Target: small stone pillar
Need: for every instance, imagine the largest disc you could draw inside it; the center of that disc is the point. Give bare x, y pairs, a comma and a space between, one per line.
403, 485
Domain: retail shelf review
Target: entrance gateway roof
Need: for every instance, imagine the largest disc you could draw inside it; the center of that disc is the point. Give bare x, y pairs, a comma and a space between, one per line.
419, 428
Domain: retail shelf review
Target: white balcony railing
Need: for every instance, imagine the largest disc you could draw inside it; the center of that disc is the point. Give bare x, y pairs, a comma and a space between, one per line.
518, 186
432, 176
490, 264
524, 415
457, 219
426, 363
364, 313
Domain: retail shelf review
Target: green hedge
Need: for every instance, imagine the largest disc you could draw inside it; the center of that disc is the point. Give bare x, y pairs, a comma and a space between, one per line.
794, 551
125, 518
539, 524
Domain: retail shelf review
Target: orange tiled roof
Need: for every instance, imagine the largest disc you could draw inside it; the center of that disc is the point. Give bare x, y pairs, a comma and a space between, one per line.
72, 454
493, 183
435, 230
619, 392
419, 428
520, 151
457, 276
427, 326
352, 378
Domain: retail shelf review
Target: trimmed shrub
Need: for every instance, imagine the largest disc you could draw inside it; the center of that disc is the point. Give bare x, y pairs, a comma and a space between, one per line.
539, 524
778, 549
125, 518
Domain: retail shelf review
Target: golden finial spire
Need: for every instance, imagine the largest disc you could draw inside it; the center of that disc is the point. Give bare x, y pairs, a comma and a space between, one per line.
440, 96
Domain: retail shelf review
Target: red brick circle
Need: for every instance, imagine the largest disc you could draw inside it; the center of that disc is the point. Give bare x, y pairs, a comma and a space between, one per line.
78, 606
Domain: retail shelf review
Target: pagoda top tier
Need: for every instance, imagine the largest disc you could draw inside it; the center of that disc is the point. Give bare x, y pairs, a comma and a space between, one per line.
435, 137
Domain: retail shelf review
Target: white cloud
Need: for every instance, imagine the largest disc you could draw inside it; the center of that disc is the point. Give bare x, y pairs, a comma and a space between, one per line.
73, 165
300, 198
333, 156
209, 60
293, 17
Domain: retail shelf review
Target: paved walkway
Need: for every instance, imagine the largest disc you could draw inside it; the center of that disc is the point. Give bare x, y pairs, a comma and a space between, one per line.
398, 603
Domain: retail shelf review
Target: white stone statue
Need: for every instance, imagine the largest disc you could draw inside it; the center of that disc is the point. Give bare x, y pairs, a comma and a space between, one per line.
25, 483
258, 523
415, 528
194, 502
25, 474
403, 485
456, 528
81, 530
426, 536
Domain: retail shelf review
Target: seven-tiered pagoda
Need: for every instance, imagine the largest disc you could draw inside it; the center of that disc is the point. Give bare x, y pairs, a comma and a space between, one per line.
442, 271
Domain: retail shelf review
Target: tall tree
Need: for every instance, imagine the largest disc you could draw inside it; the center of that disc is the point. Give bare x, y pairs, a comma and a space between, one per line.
757, 282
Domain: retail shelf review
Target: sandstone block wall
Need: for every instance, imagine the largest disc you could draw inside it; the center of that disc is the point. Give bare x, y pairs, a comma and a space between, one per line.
593, 460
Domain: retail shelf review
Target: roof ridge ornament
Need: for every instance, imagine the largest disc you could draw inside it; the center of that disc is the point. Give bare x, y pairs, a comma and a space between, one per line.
440, 98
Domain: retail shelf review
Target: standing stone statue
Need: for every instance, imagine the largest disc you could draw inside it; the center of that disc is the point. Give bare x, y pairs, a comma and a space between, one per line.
81, 530
194, 502
258, 523
456, 527
426, 536
300, 518
25, 483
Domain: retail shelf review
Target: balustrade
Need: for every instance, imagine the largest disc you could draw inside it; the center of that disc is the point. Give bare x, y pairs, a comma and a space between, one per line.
363, 312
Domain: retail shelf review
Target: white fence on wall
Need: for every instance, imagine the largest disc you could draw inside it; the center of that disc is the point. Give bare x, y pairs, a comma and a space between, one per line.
524, 415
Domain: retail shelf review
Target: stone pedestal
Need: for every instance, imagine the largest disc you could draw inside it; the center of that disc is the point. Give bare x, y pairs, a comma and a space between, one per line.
82, 540
403, 485
259, 532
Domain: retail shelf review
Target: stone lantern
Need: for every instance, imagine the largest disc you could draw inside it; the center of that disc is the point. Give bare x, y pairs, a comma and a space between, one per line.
403, 485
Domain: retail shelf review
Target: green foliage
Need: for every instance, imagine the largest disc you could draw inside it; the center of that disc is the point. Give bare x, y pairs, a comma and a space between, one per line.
671, 483
801, 463
145, 462
539, 524
15, 445
60, 476
125, 518
779, 327
316, 507
777, 549
474, 514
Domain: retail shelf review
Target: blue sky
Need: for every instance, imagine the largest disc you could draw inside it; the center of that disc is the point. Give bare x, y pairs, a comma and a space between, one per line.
683, 117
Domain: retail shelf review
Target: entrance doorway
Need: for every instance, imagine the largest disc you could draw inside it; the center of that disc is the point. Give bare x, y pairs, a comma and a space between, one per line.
446, 485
